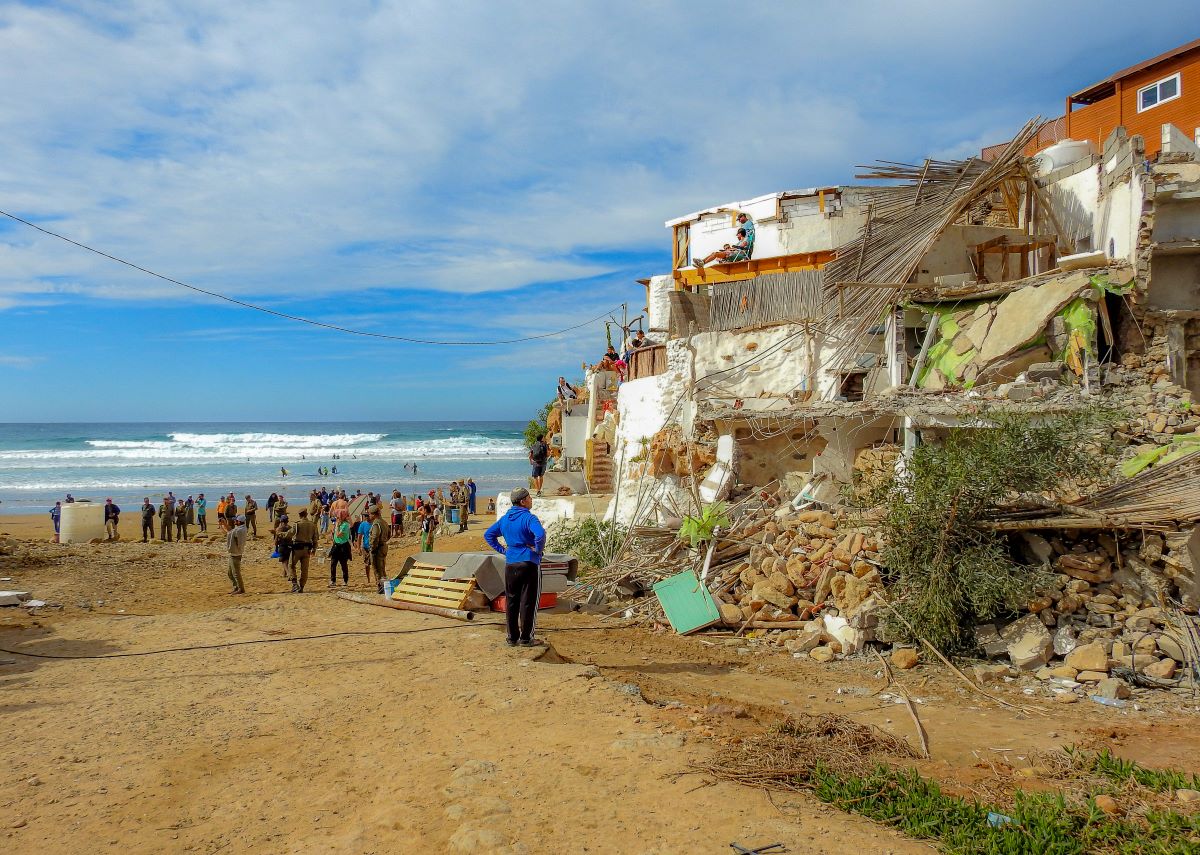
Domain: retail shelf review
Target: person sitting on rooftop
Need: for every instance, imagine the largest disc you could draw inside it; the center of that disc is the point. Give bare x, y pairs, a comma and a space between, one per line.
567, 394
743, 250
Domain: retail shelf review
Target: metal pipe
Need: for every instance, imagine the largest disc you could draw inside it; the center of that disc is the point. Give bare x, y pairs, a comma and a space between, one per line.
367, 600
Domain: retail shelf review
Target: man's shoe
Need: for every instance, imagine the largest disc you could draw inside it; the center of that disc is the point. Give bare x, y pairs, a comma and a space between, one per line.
509, 642
697, 263
531, 642
295, 588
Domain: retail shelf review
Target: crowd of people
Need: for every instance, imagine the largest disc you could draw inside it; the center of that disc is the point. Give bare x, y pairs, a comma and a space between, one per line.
327, 522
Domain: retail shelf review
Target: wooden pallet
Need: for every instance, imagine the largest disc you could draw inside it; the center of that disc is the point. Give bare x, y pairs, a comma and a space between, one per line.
423, 584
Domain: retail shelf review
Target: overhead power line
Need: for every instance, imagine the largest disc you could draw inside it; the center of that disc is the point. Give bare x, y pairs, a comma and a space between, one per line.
298, 318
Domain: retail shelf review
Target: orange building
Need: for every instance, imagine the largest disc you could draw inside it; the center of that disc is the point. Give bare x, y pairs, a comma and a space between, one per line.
1143, 98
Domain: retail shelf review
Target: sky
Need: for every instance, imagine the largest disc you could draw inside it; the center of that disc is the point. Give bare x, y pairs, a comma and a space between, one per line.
447, 171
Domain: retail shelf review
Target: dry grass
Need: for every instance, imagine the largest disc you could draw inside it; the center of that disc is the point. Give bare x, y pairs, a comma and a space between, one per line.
784, 757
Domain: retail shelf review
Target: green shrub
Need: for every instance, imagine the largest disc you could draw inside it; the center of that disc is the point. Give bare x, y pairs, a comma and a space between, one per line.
949, 573
537, 426
593, 542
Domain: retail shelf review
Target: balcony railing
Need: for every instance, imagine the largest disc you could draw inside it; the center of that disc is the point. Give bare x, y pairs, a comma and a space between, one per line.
648, 361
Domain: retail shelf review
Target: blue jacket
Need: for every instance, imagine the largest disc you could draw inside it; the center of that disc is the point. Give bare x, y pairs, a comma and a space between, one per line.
524, 537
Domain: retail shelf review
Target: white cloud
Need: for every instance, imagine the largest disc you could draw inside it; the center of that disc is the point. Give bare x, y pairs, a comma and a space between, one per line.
18, 361
288, 150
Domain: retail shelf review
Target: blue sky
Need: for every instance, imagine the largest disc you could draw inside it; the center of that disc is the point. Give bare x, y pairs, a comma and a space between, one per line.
453, 170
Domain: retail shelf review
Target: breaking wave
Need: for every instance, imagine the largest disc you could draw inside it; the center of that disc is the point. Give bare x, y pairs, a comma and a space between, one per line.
194, 448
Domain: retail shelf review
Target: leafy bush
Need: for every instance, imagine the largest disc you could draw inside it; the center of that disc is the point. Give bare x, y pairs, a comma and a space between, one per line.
537, 426
698, 530
949, 572
593, 542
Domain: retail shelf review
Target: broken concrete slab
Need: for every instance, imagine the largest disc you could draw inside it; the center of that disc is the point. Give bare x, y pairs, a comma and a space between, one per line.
1029, 644
1022, 315
13, 598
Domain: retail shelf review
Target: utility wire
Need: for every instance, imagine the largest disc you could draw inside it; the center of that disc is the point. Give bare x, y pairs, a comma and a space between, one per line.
297, 318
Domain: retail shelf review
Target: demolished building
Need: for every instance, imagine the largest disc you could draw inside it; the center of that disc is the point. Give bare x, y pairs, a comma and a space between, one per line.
871, 319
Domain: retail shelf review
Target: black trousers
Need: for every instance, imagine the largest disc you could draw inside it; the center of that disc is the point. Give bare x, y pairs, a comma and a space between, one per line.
147, 530
340, 554
522, 590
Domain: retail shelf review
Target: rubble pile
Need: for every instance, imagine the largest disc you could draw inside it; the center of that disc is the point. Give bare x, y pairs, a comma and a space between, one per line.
808, 574
811, 582
1101, 624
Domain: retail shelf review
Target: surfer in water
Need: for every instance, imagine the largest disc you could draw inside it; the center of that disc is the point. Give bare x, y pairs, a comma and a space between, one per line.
282, 471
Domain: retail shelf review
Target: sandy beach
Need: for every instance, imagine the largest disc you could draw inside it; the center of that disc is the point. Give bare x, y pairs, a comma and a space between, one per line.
434, 737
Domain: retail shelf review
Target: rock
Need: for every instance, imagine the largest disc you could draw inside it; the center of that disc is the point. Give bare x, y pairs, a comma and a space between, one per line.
821, 654
990, 673
905, 658
731, 615
1064, 640
1169, 646
850, 591
1064, 672
1113, 689
1066, 698
1088, 657
989, 641
1109, 805
1037, 547
781, 583
767, 593
1091, 676
1163, 669
848, 638
1187, 797
804, 642
1029, 643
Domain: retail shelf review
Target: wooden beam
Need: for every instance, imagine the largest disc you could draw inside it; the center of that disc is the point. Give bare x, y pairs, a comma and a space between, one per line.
740, 271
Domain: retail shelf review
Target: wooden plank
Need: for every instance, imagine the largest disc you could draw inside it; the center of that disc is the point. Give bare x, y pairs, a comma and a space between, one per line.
424, 599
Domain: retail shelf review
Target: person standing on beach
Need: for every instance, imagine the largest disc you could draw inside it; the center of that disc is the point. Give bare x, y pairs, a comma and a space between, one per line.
202, 512
429, 523
56, 518
397, 510
221, 513
304, 542
340, 553
271, 508
471, 491
147, 520
231, 510
190, 504
112, 516
524, 542
379, 546
166, 521
181, 522
538, 453
235, 545
250, 512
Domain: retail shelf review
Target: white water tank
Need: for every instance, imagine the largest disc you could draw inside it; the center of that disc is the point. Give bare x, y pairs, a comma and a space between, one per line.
1061, 154
80, 522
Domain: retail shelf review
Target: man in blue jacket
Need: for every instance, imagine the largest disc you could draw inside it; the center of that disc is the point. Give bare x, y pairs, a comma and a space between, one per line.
524, 542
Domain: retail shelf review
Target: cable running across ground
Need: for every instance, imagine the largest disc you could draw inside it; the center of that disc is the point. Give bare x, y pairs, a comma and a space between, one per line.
134, 653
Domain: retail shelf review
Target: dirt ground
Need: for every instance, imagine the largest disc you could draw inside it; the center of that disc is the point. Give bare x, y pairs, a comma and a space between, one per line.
434, 737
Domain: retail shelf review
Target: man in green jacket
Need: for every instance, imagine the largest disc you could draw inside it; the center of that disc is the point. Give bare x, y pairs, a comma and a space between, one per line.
379, 545
166, 519
304, 537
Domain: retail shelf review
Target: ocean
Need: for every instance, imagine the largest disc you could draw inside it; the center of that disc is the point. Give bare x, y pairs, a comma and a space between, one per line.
41, 463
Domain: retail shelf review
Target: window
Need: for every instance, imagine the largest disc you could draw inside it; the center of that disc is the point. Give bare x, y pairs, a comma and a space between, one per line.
1164, 90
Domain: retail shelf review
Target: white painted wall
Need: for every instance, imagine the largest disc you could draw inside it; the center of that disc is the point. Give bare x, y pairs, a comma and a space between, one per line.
658, 305
1112, 216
